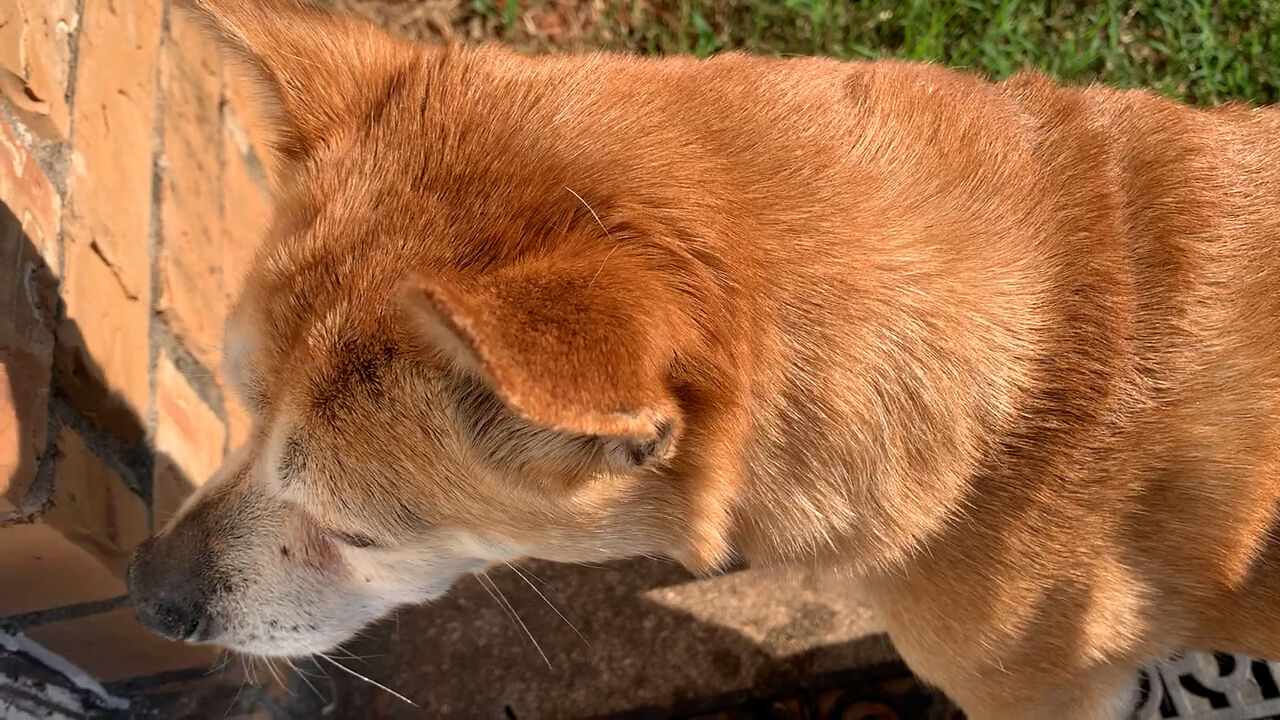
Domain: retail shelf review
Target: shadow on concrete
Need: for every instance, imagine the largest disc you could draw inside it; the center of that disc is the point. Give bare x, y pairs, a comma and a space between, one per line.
466, 656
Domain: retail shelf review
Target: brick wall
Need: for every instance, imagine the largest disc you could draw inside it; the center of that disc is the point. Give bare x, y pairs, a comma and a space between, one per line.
133, 193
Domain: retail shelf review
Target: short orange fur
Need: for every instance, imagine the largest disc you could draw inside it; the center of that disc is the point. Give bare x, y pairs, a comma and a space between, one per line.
1010, 352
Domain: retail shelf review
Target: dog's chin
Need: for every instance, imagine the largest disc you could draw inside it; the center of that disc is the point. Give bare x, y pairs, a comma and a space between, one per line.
306, 636
289, 645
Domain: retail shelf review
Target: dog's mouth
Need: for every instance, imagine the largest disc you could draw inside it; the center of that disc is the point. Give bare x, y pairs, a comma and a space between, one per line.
295, 613
274, 635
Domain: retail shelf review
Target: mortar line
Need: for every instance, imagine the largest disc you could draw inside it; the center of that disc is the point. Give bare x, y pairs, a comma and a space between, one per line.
132, 461
219, 188
199, 377
155, 230
22, 622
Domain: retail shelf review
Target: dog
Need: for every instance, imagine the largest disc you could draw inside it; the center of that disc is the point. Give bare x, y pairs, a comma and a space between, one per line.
1009, 353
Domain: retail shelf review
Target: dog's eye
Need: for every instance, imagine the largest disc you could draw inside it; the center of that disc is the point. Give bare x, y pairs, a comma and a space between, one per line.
357, 540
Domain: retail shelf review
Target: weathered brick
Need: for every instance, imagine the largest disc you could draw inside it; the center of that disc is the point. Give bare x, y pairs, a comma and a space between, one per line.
108, 274
192, 297
246, 212
28, 232
113, 646
247, 118
110, 175
50, 570
35, 61
23, 409
30, 197
93, 507
76, 550
189, 441
102, 350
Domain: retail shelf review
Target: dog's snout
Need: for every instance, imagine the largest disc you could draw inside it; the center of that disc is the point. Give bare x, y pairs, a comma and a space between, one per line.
168, 598
170, 619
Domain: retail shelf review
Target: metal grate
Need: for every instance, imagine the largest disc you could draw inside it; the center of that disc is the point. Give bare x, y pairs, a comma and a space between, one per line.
1209, 686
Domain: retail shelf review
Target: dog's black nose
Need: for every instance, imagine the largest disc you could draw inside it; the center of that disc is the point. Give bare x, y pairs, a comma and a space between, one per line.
167, 598
173, 620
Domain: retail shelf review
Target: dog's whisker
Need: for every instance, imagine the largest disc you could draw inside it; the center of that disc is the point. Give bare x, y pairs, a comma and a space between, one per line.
606, 234
303, 676
348, 655
320, 674
224, 659
592, 211
275, 674
480, 578
502, 601
372, 682
602, 264
525, 569
243, 681
550, 604
333, 702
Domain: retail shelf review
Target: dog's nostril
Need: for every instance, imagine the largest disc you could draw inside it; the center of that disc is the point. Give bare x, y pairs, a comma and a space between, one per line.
176, 621
169, 595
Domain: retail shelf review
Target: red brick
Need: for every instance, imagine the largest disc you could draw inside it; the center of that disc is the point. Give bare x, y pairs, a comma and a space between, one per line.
246, 212
28, 232
76, 550
113, 646
102, 351
189, 441
108, 274
93, 507
191, 295
35, 62
110, 175
23, 409
50, 570
247, 118
30, 196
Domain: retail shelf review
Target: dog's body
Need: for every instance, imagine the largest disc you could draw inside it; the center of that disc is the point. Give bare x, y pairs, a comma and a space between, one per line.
1010, 352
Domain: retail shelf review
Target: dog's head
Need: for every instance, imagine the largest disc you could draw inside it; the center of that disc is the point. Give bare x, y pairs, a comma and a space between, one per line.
451, 358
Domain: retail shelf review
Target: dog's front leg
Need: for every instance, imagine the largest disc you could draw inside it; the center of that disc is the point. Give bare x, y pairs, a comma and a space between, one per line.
1008, 663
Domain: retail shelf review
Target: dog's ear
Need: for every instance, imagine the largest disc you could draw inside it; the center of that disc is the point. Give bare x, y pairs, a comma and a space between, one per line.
581, 345
315, 70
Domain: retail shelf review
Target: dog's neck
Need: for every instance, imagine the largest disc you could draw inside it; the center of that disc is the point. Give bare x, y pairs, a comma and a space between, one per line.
857, 409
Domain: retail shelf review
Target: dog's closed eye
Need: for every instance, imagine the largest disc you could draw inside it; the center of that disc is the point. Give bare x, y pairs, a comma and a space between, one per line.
357, 540
350, 539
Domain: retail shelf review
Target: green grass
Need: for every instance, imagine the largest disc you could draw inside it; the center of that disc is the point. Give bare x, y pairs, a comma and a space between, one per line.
1197, 50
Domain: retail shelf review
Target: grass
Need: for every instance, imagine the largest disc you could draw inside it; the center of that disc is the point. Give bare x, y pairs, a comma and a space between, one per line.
1202, 51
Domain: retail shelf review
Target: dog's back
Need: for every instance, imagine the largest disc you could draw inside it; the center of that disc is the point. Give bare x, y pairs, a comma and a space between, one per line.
1135, 490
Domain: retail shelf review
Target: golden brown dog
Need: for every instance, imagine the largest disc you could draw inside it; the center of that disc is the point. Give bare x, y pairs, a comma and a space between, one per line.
1009, 352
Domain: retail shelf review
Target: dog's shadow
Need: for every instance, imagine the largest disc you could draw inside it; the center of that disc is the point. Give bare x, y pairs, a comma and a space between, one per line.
630, 639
